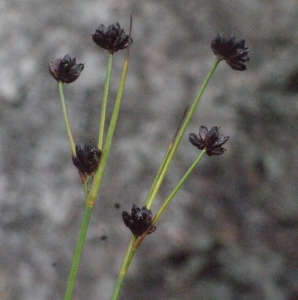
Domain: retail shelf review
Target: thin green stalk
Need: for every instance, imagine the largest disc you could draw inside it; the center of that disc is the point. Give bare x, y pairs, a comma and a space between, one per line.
69, 134
91, 196
105, 152
85, 186
104, 102
164, 160
78, 253
132, 248
177, 141
158, 173
133, 244
124, 267
178, 186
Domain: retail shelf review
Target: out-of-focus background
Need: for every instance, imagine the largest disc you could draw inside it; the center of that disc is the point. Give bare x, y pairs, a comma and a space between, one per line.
232, 231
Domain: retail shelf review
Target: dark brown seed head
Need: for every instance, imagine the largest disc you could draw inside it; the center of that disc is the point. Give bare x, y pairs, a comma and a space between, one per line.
139, 220
87, 158
235, 53
112, 38
65, 70
210, 140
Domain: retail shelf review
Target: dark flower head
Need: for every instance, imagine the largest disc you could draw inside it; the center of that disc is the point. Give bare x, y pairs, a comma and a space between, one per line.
210, 140
87, 158
66, 69
235, 53
139, 220
111, 39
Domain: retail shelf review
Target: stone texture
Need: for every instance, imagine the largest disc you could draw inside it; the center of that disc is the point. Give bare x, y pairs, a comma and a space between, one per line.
231, 233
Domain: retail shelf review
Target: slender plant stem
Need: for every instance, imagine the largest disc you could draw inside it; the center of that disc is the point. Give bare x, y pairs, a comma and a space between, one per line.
90, 200
69, 134
181, 132
78, 253
178, 186
134, 244
132, 248
124, 267
85, 186
106, 149
92, 194
104, 102
94, 188
158, 174
164, 161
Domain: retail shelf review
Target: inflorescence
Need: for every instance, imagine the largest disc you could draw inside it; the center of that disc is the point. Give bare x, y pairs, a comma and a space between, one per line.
65, 70
234, 53
87, 158
210, 140
112, 38
139, 220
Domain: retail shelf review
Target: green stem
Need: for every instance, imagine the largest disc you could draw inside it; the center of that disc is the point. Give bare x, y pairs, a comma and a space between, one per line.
85, 186
104, 102
149, 201
164, 161
178, 186
132, 248
78, 253
158, 175
133, 245
105, 152
66, 121
92, 194
91, 197
130, 252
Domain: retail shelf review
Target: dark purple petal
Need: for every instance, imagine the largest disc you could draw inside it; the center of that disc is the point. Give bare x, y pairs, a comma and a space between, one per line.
126, 218
203, 132
220, 141
211, 137
236, 65
216, 151
193, 138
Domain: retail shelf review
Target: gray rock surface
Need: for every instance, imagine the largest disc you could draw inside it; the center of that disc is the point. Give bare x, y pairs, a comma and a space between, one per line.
232, 231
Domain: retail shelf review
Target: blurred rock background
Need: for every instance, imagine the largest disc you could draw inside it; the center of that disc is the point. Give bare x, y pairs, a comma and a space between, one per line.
232, 231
